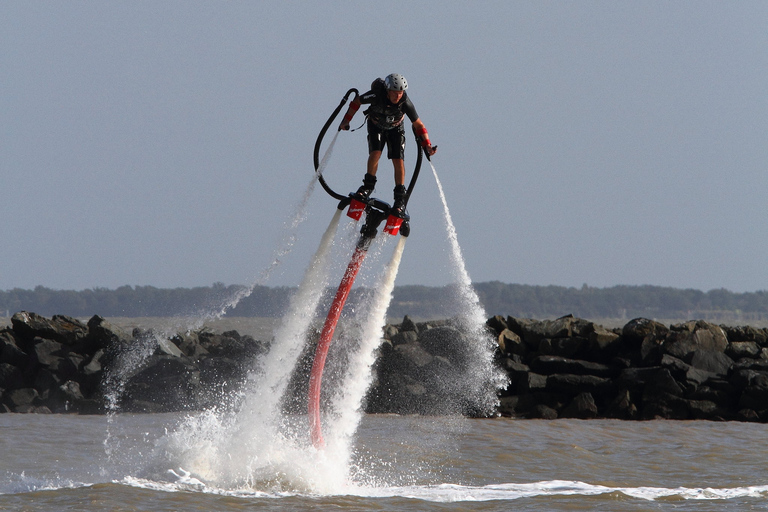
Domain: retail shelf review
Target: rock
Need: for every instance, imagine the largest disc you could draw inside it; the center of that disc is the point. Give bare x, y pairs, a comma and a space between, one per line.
166, 347
651, 350
747, 415
745, 333
390, 331
409, 325
705, 409
544, 412
102, 334
497, 324
229, 346
660, 385
45, 381
413, 355
621, 407
602, 342
62, 329
9, 350
11, 376
533, 331
711, 361
755, 396
521, 326
514, 370
582, 407
569, 384
564, 347
548, 365
169, 381
46, 352
452, 344
404, 338
635, 379
743, 377
66, 398
743, 349
70, 331
190, 346
220, 377
665, 407
718, 396
511, 343
18, 398
636, 330
760, 365
684, 339
94, 365
683, 372
507, 405
530, 382
56, 358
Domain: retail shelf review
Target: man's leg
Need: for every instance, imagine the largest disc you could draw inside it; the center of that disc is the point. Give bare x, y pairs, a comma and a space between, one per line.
373, 163
396, 153
369, 180
399, 164
398, 206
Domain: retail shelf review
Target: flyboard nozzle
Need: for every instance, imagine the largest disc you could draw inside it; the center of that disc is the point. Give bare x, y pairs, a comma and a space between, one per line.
376, 212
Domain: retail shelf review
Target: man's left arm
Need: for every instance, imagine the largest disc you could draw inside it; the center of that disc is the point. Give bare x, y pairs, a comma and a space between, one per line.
421, 133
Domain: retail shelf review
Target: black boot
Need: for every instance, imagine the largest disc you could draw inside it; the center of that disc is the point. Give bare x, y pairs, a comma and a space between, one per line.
398, 208
364, 192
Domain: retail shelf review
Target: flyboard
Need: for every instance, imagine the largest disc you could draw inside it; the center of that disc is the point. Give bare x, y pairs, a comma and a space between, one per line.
376, 211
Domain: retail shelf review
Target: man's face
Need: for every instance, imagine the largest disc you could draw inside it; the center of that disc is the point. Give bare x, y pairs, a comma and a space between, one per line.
394, 96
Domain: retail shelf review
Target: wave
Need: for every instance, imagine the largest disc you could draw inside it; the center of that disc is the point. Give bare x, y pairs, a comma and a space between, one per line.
454, 493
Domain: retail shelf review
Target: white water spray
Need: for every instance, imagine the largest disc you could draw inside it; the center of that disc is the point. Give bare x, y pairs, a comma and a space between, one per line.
259, 446
271, 379
483, 382
212, 430
252, 445
129, 360
284, 247
349, 398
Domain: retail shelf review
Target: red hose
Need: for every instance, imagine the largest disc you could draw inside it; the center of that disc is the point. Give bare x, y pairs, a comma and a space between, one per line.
324, 343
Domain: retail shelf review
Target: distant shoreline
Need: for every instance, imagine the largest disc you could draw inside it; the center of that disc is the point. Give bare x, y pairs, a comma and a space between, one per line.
608, 306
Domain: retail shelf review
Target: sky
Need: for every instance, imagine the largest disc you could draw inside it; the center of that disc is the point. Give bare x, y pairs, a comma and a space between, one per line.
170, 143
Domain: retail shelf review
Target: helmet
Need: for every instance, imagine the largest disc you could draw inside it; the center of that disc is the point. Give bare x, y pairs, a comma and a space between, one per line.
396, 82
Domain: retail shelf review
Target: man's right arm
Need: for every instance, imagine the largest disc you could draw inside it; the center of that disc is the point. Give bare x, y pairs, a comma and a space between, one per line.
353, 108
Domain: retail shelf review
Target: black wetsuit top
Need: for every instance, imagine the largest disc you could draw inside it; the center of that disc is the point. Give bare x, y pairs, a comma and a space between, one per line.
383, 113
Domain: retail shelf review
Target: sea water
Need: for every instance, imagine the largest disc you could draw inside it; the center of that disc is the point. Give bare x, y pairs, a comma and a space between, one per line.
58, 463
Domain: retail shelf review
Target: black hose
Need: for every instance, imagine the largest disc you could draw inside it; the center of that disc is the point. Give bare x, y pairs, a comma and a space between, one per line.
328, 189
415, 174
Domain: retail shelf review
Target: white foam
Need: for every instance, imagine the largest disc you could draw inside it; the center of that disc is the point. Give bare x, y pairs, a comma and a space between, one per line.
453, 493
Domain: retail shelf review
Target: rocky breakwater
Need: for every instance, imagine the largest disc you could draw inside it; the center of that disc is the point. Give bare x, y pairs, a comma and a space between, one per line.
572, 368
64, 365
563, 368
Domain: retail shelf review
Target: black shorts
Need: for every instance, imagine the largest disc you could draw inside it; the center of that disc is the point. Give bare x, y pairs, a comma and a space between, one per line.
394, 139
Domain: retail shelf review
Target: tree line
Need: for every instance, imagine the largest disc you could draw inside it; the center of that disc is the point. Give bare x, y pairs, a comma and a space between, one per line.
425, 302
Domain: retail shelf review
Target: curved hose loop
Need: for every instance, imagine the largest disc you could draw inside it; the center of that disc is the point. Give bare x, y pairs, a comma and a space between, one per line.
415, 174
328, 189
321, 135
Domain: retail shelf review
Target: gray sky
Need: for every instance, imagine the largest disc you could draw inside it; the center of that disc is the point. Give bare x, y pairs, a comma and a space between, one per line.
167, 143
